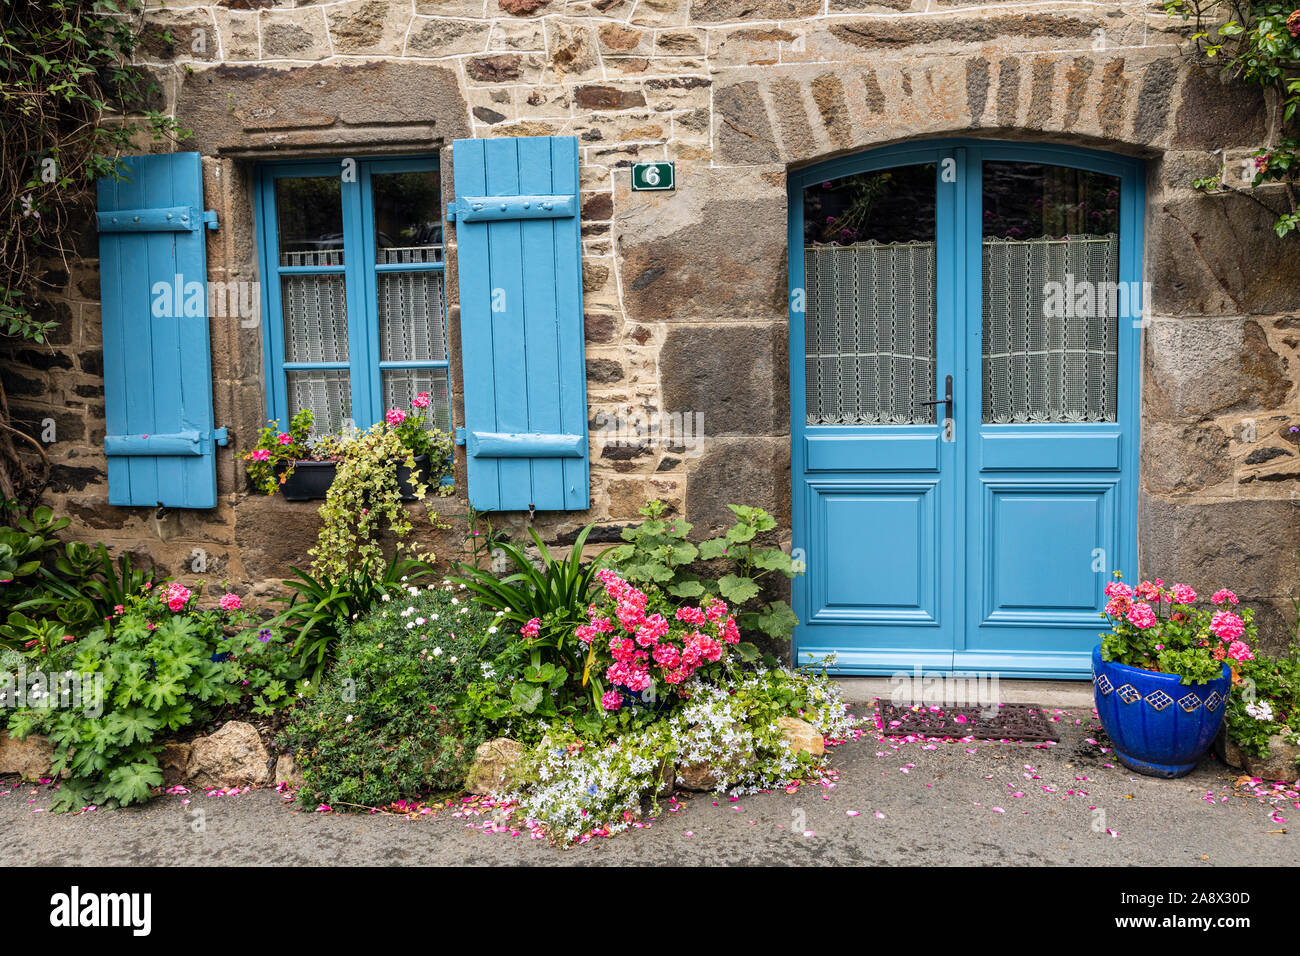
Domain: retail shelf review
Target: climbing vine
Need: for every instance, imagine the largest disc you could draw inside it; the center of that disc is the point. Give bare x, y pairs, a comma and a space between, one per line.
70, 102
1258, 43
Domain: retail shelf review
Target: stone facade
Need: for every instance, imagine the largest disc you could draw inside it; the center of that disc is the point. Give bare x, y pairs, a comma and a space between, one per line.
685, 292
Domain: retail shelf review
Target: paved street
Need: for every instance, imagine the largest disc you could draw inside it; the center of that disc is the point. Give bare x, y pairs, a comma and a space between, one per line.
921, 802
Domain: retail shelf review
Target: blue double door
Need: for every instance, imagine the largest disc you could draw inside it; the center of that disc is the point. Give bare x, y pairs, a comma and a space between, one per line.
965, 319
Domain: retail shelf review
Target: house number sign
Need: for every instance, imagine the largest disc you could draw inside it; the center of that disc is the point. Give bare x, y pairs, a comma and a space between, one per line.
653, 176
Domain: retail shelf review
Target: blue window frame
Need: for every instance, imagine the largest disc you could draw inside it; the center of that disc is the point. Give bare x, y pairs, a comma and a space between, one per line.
351, 254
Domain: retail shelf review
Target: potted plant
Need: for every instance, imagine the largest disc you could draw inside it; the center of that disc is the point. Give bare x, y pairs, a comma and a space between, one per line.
291, 462
1163, 675
427, 447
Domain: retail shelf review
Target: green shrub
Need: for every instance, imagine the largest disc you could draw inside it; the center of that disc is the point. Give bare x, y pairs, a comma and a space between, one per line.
109, 701
384, 725
733, 566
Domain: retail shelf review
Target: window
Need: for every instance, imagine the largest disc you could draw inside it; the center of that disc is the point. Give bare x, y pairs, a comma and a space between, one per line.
352, 266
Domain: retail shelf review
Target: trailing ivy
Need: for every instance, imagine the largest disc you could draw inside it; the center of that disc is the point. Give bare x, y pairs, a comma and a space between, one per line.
1258, 43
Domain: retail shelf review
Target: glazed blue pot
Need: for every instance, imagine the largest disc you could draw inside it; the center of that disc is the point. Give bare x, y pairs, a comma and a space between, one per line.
1160, 726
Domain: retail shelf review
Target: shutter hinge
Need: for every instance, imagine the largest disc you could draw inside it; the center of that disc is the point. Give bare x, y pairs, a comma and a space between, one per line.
460, 436
451, 211
210, 219
221, 436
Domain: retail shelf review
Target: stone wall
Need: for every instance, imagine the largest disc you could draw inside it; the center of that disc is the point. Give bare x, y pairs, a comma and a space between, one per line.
685, 291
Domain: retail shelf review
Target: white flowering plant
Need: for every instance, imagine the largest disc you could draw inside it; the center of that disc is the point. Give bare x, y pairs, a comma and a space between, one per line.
1266, 701
573, 787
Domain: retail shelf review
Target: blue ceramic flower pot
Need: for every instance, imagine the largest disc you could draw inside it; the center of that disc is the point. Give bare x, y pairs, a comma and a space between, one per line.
1160, 726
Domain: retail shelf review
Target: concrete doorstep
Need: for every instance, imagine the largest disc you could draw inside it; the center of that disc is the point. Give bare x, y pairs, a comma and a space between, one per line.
1050, 693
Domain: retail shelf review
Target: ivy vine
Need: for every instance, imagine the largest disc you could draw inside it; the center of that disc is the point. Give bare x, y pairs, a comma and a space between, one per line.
1258, 43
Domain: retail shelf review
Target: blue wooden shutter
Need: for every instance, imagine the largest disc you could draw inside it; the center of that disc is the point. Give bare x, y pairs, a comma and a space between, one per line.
519, 257
157, 368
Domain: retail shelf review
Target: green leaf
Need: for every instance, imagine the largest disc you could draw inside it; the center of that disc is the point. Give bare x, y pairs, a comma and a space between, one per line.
747, 652
687, 589
528, 697
737, 589
131, 783
134, 725
778, 620
713, 548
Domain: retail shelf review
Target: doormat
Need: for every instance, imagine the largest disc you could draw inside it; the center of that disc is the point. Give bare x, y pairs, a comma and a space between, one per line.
1007, 722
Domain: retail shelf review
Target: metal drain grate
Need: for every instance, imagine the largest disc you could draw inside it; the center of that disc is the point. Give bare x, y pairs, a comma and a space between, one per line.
1009, 722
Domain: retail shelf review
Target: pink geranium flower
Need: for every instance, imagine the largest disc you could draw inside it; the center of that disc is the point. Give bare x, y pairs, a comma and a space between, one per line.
421, 400
611, 700
1238, 651
1223, 596
230, 602
532, 628
1141, 615
395, 416
1182, 594
261, 454
285, 438
1227, 626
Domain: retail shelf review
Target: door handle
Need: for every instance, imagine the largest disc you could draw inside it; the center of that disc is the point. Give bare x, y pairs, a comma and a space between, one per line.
946, 400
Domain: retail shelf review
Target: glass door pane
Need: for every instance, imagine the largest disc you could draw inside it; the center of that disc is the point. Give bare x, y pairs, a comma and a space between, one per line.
869, 278
1051, 295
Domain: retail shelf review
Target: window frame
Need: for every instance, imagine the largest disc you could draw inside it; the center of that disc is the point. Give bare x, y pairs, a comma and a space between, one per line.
360, 273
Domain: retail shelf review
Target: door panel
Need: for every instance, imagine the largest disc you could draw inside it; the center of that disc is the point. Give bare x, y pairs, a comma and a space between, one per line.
975, 533
877, 488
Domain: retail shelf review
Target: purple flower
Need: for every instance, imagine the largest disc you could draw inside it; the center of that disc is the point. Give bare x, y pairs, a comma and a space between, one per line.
264, 635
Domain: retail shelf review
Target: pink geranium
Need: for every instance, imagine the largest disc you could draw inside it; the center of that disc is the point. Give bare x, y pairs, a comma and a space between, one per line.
611, 700
1238, 651
532, 628
230, 602
1182, 594
260, 454
1223, 596
395, 416
176, 596
1227, 626
421, 400
1141, 615
285, 438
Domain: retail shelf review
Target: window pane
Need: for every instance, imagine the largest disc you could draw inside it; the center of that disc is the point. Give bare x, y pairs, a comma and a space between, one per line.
869, 278
309, 216
402, 385
1051, 294
411, 326
327, 393
408, 218
315, 318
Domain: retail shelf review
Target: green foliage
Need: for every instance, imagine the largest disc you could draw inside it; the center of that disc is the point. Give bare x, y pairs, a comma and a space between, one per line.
1266, 701
1257, 43
659, 552
383, 726
64, 64
318, 610
154, 679
24, 547
555, 593
363, 504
